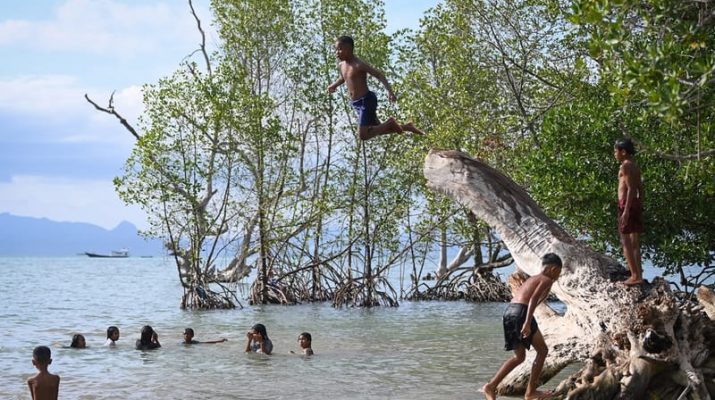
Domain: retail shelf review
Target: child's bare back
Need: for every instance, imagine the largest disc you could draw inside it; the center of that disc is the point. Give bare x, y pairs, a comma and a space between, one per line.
537, 286
44, 386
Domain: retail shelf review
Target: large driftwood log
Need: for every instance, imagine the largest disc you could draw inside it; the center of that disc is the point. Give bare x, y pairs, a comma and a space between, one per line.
630, 342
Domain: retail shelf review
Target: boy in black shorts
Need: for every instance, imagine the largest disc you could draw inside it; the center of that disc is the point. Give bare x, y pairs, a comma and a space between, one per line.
521, 330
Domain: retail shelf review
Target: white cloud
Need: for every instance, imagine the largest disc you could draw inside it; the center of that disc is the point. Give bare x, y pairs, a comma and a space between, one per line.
70, 200
107, 27
58, 101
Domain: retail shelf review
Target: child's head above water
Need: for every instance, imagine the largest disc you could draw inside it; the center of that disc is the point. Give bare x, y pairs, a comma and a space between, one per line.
305, 340
188, 335
113, 333
146, 335
261, 329
78, 342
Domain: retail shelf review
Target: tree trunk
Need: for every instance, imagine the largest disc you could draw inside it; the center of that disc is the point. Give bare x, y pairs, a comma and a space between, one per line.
631, 342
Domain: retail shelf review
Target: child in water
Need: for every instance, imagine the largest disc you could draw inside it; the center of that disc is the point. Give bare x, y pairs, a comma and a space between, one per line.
149, 339
112, 336
44, 385
78, 342
258, 341
189, 338
305, 342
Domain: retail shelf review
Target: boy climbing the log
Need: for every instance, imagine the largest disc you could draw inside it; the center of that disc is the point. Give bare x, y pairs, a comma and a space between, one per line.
630, 208
521, 330
353, 72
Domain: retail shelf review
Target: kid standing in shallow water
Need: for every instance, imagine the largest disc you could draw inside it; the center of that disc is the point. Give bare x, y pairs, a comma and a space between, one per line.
44, 385
353, 72
630, 208
521, 330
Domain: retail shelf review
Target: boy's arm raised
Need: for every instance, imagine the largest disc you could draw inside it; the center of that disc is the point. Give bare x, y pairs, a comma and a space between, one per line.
380, 77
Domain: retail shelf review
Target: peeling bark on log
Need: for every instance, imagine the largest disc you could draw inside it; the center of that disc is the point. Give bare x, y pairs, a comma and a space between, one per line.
630, 341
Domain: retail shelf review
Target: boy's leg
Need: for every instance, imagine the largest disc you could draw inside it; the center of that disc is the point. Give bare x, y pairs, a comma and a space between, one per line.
538, 365
389, 126
490, 387
636, 256
630, 242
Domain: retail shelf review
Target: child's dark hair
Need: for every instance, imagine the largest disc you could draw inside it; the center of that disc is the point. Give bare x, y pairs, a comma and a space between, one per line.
551, 259
189, 331
625, 144
347, 40
111, 330
260, 328
42, 354
75, 340
147, 333
307, 336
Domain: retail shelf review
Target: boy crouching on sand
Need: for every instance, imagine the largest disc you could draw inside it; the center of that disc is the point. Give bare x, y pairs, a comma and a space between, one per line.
44, 385
521, 330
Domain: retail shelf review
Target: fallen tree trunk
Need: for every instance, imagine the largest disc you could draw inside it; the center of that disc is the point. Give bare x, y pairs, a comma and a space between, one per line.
631, 342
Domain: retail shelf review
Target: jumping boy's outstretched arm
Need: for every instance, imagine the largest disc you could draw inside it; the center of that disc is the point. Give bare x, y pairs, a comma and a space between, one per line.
380, 77
335, 84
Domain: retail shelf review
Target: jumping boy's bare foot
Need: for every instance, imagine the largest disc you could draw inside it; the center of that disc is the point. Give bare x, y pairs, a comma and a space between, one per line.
411, 128
393, 125
489, 392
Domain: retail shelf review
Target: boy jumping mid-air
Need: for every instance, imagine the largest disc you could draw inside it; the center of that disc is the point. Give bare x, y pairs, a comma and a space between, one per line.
521, 330
353, 72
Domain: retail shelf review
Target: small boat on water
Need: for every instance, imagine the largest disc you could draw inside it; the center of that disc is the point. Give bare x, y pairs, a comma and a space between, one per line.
123, 253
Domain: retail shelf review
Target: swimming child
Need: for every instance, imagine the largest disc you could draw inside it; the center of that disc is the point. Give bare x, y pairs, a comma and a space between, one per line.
521, 329
78, 342
258, 341
189, 338
305, 342
149, 339
44, 385
630, 208
112, 336
353, 72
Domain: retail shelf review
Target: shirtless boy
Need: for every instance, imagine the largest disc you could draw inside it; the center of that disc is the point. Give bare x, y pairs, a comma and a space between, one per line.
353, 72
630, 208
44, 385
521, 330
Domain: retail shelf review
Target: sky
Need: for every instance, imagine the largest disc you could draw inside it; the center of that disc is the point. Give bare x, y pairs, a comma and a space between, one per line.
58, 155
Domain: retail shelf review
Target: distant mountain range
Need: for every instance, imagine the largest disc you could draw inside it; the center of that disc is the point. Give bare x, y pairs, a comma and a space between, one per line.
26, 236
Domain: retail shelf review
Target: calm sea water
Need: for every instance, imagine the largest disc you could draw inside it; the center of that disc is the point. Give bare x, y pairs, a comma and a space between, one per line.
425, 350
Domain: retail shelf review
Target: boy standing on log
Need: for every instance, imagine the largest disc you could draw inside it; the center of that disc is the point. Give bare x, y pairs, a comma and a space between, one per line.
630, 208
353, 72
521, 330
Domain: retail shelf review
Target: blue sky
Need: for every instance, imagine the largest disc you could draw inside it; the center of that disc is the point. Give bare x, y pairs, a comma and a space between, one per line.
57, 154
